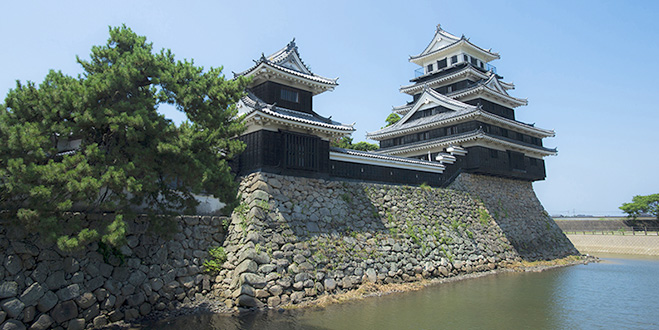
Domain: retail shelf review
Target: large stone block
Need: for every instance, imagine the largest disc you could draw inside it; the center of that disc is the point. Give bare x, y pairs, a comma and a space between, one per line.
42, 323
13, 307
64, 311
32, 294
70, 292
8, 289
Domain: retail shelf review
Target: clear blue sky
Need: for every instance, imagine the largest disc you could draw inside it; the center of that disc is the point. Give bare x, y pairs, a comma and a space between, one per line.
586, 67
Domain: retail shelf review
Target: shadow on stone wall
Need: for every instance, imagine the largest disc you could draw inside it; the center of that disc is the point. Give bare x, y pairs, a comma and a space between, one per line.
519, 213
293, 238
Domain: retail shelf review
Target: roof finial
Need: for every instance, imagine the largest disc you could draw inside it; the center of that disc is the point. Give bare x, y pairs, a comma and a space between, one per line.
291, 44
439, 27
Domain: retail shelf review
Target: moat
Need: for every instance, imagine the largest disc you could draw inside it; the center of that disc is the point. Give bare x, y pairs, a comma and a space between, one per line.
619, 292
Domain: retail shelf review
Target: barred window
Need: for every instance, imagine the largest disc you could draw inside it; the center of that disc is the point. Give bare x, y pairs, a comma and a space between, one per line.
290, 95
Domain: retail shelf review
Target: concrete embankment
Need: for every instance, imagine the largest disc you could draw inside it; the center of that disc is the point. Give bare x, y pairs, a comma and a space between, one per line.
628, 244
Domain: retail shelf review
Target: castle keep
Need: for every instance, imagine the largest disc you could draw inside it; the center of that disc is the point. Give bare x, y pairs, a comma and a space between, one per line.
461, 119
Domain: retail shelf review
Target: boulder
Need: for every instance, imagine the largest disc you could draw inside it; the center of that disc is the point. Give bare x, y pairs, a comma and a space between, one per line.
64, 311
13, 307
42, 323
8, 289
47, 302
32, 294
13, 325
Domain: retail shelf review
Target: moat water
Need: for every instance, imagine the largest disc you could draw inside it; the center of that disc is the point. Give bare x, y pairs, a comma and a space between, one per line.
621, 292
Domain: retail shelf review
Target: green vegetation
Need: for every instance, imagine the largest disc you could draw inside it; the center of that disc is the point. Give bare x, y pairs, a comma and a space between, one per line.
96, 143
392, 119
346, 143
425, 187
642, 204
217, 257
483, 217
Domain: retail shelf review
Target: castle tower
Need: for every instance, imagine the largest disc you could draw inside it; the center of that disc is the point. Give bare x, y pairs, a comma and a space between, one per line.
284, 135
461, 107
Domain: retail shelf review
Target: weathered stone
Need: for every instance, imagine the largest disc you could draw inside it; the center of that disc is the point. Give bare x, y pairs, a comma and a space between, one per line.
297, 296
8, 289
253, 280
371, 275
131, 314
243, 290
247, 265
76, 324
135, 299
156, 284
276, 290
13, 264
32, 294
71, 265
137, 278
3, 316
248, 301
115, 315
70, 292
145, 309
100, 321
85, 300
42, 323
13, 325
47, 302
329, 284
13, 307
64, 311
90, 313
29, 313
121, 274
56, 280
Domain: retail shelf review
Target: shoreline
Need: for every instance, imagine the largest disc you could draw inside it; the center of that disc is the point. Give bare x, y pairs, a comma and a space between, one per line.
365, 291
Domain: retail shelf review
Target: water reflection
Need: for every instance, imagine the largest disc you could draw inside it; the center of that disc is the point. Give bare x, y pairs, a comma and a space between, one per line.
622, 293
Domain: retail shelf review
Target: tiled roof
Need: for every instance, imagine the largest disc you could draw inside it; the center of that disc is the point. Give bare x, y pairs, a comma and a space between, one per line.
256, 104
386, 157
288, 54
462, 138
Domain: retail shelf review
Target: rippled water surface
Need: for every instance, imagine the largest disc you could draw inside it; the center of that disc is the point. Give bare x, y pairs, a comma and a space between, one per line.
618, 293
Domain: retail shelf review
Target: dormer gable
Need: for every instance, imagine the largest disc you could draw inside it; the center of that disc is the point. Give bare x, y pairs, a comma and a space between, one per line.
430, 99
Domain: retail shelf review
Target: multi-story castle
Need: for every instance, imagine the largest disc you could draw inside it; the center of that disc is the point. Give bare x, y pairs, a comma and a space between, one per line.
461, 119
461, 107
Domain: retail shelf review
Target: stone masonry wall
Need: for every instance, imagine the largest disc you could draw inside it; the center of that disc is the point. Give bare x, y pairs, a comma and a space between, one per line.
519, 214
293, 239
43, 288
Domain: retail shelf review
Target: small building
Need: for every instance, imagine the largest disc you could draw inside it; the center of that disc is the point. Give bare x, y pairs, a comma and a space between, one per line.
462, 115
284, 135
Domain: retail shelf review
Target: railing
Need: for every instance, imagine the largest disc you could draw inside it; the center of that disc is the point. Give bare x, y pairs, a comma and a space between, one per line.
491, 67
419, 72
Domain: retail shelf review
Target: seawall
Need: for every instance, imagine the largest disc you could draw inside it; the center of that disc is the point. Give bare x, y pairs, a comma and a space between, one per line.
628, 244
293, 239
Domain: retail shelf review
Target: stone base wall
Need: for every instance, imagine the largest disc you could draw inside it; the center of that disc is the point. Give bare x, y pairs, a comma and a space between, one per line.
293, 239
519, 214
44, 288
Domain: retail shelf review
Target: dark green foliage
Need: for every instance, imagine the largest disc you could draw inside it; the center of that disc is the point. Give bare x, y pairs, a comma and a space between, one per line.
217, 257
642, 204
128, 154
346, 143
392, 119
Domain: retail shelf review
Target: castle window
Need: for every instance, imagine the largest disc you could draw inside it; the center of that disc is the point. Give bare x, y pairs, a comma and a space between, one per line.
474, 61
465, 58
429, 68
454, 59
290, 95
441, 64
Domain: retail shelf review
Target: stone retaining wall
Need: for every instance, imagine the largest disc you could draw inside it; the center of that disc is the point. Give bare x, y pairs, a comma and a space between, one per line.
519, 214
293, 239
43, 288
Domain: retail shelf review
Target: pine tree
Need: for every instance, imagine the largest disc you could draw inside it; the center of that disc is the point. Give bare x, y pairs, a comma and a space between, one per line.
96, 143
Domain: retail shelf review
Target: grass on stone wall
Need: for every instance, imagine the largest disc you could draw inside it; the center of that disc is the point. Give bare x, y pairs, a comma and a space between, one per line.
217, 257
